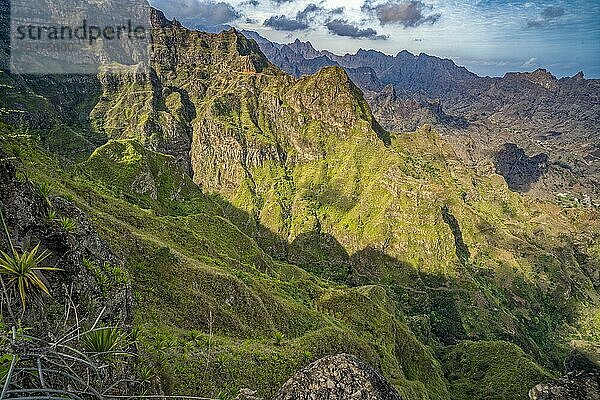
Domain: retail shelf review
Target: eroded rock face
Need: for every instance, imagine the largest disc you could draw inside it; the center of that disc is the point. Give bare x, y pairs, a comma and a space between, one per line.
535, 110
26, 214
575, 385
342, 376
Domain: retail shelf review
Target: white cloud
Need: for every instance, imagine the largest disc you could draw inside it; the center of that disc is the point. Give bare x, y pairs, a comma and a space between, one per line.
532, 62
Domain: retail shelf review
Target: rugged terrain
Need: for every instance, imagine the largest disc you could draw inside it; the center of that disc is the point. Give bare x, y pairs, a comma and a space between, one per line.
539, 132
265, 221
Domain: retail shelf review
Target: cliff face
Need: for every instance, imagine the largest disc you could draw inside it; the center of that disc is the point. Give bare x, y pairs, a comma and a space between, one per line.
537, 112
79, 253
218, 106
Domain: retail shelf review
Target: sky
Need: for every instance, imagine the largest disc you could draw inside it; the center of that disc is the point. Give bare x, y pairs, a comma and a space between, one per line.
489, 37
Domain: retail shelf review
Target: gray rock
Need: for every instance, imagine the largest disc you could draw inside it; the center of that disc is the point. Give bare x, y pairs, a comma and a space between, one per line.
575, 385
342, 376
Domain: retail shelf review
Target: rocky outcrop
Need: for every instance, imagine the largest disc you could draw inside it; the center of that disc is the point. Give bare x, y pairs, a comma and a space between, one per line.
518, 169
576, 385
84, 259
341, 377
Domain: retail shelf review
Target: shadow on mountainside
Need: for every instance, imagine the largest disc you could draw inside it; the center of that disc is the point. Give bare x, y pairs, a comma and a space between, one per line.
441, 309
518, 169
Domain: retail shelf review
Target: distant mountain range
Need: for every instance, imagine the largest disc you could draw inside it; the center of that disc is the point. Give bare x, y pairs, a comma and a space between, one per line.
539, 132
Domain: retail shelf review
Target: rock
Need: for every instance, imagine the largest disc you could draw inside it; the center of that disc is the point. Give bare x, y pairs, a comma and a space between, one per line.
26, 214
575, 385
247, 394
342, 376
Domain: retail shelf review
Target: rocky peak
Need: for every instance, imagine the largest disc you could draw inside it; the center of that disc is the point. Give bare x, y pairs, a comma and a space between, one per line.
175, 47
543, 78
540, 77
405, 55
389, 92
330, 96
305, 49
159, 20
342, 376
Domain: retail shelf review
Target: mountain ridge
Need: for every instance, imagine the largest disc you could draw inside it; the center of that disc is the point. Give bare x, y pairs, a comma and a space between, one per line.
268, 221
535, 111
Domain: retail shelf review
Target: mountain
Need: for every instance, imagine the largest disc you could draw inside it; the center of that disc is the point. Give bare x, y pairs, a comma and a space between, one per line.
261, 223
523, 117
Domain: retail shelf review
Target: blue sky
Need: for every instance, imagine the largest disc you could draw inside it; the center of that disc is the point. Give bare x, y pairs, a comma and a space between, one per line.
489, 37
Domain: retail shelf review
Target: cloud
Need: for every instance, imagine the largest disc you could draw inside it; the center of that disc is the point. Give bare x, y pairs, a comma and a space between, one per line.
303, 19
546, 17
553, 12
409, 14
283, 23
309, 12
342, 27
530, 63
198, 12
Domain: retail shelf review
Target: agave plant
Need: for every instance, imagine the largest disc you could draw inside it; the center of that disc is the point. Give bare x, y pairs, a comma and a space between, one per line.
101, 340
24, 271
278, 338
67, 224
51, 215
44, 189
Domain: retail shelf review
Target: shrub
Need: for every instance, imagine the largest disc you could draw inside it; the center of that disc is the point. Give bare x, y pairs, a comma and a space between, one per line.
51, 215
44, 189
278, 338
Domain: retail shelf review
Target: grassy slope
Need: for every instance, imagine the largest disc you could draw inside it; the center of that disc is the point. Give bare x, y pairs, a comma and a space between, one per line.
210, 302
432, 248
500, 267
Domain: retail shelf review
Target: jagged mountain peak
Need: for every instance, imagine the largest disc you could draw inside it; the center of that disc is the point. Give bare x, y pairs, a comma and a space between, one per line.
404, 53
177, 46
540, 77
306, 49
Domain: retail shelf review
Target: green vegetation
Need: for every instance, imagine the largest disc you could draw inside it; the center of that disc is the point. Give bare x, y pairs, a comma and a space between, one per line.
313, 232
101, 340
490, 370
67, 224
278, 338
44, 189
24, 271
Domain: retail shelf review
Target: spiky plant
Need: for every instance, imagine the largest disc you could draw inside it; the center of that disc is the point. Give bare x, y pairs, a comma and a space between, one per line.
44, 189
278, 338
24, 270
101, 340
67, 224
51, 215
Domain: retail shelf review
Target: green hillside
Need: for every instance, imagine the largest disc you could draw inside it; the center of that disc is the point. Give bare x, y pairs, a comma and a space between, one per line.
264, 222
